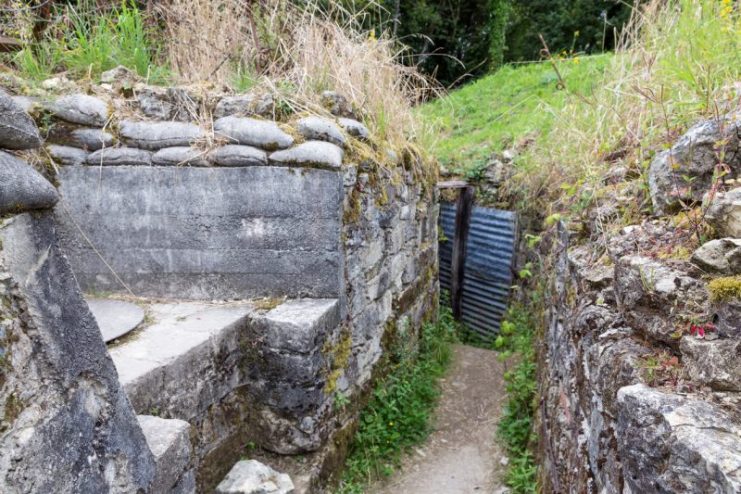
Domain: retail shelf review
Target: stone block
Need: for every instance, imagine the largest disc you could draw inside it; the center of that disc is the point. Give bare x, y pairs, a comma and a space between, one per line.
676, 443
253, 231
169, 441
714, 363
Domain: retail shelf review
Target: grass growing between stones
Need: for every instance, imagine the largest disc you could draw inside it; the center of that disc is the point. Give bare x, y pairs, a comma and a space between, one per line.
515, 429
400, 410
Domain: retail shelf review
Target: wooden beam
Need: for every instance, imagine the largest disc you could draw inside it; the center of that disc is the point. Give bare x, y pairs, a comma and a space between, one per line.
452, 184
462, 224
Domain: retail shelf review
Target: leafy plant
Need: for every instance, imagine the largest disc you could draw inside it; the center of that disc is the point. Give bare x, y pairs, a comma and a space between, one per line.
516, 426
399, 413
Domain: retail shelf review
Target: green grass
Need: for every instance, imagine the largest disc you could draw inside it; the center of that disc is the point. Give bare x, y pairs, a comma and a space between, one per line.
498, 110
90, 44
399, 413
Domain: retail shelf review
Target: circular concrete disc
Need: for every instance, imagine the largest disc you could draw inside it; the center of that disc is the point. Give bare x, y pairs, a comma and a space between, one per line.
115, 317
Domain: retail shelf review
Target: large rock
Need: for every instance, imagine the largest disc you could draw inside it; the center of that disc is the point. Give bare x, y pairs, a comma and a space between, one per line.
252, 132
694, 155
17, 128
80, 109
316, 154
724, 213
68, 426
321, 129
253, 477
719, 256
158, 135
714, 363
236, 155
654, 297
676, 443
22, 188
120, 157
727, 317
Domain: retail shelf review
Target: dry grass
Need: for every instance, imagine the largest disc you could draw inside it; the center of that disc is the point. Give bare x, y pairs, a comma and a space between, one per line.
295, 53
678, 61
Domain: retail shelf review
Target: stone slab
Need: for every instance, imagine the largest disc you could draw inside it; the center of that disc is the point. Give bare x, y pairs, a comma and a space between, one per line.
115, 318
161, 367
204, 233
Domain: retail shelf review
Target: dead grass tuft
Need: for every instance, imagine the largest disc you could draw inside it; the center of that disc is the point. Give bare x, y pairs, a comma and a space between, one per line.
296, 53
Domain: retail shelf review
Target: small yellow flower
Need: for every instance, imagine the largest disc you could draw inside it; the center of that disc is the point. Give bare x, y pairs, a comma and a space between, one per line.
576, 60
391, 424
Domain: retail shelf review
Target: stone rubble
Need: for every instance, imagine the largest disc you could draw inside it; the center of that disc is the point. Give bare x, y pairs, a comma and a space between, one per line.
253, 477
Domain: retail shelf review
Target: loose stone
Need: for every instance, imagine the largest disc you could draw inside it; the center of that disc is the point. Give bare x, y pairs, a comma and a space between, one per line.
236, 155
240, 105
120, 157
312, 153
158, 135
320, 129
22, 188
354, 128
253, 132
17, 128
80, 109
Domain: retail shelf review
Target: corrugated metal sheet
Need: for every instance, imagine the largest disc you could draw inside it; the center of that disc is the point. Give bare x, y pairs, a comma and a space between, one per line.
488, 266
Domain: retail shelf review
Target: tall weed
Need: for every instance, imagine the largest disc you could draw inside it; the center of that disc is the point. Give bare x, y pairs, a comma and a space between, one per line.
678, 61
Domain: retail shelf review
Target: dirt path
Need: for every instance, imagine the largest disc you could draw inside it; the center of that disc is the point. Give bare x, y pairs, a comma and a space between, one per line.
461, 455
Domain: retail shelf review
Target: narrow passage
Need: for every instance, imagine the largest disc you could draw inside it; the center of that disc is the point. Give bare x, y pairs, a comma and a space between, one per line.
461, 456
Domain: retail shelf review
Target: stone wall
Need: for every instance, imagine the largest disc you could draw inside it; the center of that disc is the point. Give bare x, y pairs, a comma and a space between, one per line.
172, 194
639, 371
66, 423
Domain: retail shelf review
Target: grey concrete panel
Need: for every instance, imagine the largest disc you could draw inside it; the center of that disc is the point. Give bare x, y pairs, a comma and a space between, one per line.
203, 233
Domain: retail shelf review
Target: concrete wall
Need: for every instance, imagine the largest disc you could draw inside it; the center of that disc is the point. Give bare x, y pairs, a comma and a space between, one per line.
202, 233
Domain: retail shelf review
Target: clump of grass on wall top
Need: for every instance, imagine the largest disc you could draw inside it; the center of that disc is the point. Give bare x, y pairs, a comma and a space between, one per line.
85, 41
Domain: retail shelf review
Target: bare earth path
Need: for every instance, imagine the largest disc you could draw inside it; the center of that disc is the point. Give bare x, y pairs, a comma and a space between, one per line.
461, 456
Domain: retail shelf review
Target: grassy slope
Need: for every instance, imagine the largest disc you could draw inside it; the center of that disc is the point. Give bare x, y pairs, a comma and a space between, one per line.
501, 109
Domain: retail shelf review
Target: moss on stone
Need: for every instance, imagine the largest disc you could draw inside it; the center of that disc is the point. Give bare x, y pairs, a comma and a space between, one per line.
339, 355
723, 289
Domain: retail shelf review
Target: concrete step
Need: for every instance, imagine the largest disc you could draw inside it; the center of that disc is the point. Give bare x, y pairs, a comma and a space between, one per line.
235, 368
169, 441
184, 360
